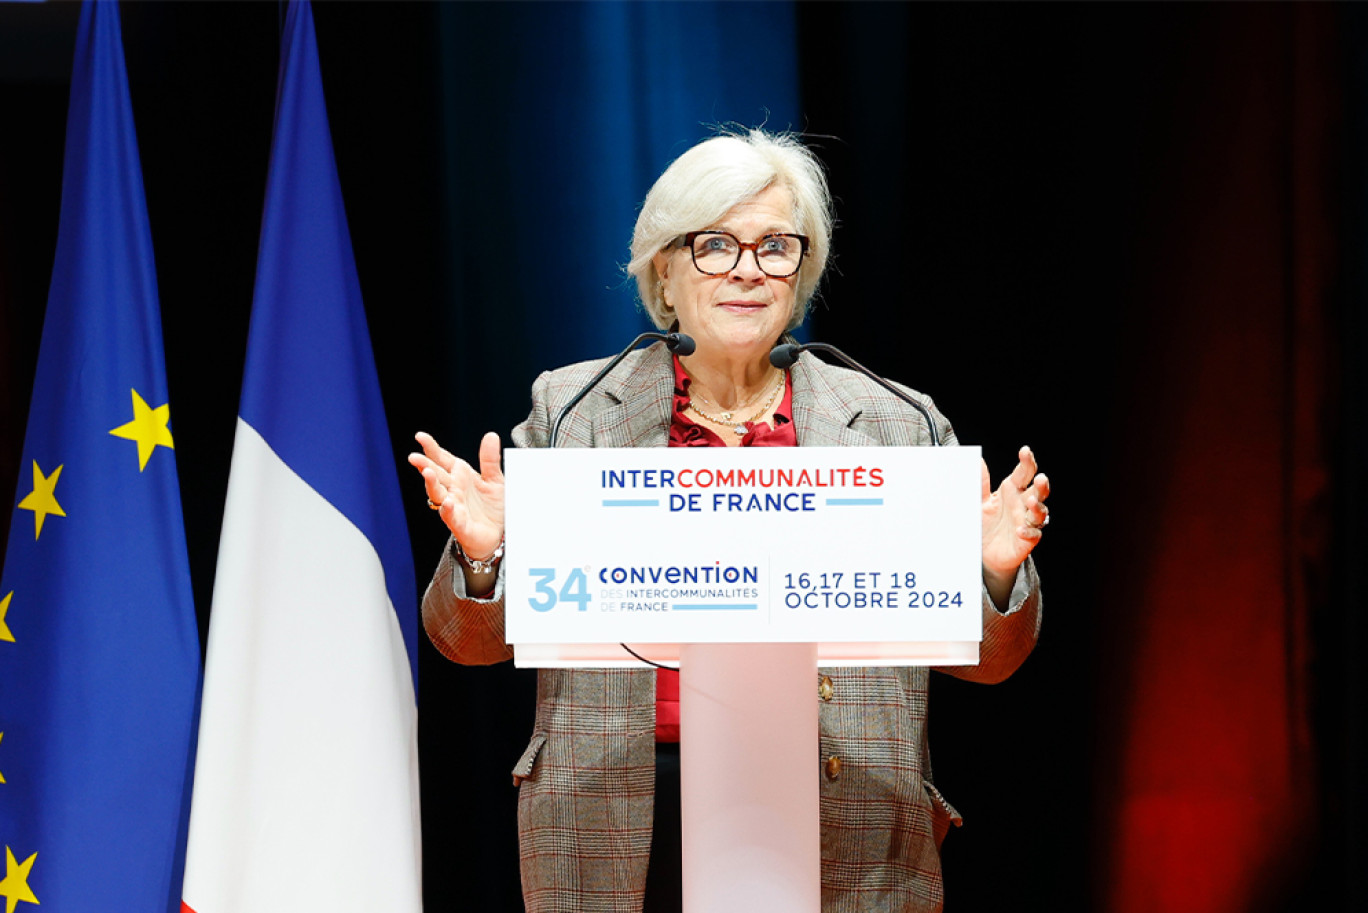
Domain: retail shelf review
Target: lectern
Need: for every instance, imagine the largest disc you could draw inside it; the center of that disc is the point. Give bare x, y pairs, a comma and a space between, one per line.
747, 568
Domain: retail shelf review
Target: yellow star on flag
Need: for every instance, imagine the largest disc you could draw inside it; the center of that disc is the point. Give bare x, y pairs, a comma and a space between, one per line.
5, 633
41, 500
148, 428
15, 886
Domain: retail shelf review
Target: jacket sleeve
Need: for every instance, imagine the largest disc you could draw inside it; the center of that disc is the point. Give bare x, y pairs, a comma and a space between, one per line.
465, 629
1010, 636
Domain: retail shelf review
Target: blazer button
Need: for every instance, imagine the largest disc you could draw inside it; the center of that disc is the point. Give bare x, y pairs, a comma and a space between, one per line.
833, 767
824, 688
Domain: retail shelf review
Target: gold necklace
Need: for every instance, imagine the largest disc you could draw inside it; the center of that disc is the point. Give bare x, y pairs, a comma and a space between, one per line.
726, 414
727, 419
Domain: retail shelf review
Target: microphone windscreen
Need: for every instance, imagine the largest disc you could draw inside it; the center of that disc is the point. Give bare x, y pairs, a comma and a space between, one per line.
681, 343
784, 355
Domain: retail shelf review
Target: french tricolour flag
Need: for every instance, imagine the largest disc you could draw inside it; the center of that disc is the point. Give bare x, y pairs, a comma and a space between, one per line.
306, 783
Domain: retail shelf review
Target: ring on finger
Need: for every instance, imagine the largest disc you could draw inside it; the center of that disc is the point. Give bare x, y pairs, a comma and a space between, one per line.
432, 506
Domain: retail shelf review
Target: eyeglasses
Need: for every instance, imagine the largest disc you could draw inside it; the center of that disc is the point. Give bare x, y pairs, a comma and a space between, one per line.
716, 253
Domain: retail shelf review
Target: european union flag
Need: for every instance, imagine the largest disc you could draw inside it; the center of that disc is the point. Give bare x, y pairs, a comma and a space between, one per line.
99, 651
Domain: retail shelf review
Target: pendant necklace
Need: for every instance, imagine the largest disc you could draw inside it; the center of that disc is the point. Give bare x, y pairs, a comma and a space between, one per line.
728, 418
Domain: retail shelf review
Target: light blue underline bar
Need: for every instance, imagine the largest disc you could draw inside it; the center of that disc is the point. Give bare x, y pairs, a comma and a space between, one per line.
716, 607
854, 502
631, 502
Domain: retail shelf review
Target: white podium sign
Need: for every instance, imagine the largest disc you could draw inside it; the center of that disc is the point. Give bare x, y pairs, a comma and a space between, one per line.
874, 553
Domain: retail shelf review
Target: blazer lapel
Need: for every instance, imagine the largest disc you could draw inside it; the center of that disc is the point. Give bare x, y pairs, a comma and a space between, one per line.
643, 386
821, 416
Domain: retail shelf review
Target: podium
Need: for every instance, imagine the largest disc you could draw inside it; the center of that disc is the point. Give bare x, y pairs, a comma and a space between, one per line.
748, 569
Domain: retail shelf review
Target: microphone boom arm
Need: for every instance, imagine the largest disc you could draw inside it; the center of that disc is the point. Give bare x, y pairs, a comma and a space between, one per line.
676, 342
784, 355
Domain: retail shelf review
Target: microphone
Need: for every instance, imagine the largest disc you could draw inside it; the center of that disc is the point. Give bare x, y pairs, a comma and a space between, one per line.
681, 344
678, 343
785, 354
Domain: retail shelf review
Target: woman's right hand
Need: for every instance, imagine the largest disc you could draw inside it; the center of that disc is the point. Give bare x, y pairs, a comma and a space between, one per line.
470, 503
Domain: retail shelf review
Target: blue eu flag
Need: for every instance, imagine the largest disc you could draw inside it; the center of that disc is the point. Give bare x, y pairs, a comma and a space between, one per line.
99, 651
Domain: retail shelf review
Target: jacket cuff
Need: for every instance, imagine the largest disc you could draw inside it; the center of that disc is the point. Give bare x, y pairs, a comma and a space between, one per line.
458, 582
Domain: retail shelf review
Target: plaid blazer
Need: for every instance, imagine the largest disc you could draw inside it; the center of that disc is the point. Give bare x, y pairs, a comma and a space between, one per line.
587, 777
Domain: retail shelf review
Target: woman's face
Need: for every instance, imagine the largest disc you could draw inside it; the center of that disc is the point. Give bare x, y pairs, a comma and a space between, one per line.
742, 312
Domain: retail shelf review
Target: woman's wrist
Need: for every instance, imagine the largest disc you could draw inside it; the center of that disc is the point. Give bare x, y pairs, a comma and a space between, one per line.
999, 586
476, 565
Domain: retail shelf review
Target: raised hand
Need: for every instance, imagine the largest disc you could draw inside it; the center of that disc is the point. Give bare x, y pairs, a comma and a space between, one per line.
470, 503
1013, 518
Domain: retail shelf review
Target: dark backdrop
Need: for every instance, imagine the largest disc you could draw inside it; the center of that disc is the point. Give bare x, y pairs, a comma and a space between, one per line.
1125, 234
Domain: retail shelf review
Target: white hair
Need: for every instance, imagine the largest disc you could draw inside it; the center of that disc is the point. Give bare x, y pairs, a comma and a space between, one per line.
708, 180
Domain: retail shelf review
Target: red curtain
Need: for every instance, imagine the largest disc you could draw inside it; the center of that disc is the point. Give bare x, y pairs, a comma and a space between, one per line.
1222, 479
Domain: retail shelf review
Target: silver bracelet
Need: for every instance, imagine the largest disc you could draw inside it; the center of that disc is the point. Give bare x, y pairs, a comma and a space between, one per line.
478, 567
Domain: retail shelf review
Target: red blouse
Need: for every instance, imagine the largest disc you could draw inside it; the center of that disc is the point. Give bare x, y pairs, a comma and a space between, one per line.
684, 432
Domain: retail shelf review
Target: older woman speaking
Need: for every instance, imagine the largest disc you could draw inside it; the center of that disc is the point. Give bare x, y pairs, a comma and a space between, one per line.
729, 247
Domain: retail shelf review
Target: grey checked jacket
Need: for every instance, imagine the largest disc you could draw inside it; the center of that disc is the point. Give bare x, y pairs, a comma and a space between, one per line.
587, 778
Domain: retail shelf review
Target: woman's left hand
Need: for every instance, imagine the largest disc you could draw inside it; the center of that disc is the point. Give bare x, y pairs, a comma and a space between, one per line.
1013, 517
